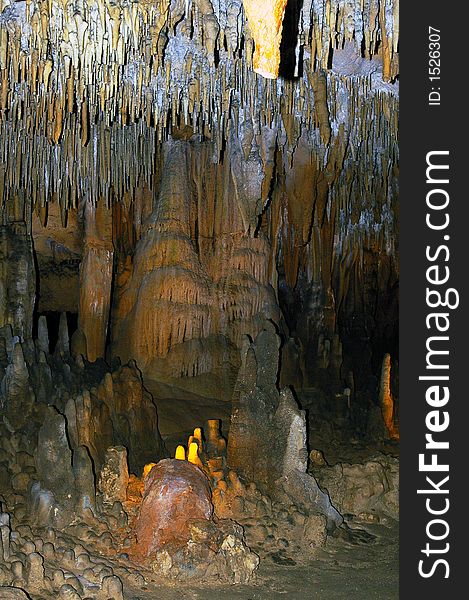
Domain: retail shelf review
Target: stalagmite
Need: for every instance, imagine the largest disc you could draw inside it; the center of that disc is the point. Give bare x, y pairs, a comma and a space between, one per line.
43, 334
175, 493
385, 397
63, 341
16, 264
319, 85
147, 468
193, 455
114, 475
198, 438
180, 453
5, 535
214, 438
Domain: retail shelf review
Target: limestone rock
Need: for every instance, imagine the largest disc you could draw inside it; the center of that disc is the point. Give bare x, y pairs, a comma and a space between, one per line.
265, 20
370, 488
5, 536
213, 551
35, 571
84, 479
112, 588
18, 395
314, 532
317, 458
267, 440
43, 508
252, 430
95, 279
186, 338
54, 458
12, 593
236, 562
119, 411
114, 476
63, 339
176, 493
17, 279
43, 334
134, 417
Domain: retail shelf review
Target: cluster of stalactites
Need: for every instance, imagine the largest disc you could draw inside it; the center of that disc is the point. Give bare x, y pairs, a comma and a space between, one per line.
74, 75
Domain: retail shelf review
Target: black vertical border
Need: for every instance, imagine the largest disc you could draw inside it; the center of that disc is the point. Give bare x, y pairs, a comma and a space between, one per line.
425, 128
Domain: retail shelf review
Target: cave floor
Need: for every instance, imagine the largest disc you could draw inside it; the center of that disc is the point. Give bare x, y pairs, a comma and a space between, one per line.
340, 571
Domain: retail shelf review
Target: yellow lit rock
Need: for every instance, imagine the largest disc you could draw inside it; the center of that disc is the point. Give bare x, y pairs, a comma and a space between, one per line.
265, 18
147, 469
193, 456
198, 436
386, 399
180, 453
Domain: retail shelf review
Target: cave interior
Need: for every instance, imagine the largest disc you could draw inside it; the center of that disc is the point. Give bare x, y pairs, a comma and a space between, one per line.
199, 284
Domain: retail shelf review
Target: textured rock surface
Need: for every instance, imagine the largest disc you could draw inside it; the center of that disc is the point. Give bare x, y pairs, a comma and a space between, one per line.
10, 593
283, 194
367, 490
54, 457
176, 493
17, 395
176, 535
201, 301
252, 430
172, 200
197, 43
17, 279
56, 519
95, 282
267, 440
265, 22
59, 418
114, 476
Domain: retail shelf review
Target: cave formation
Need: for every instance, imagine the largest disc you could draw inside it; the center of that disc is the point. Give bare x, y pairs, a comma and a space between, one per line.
198, 295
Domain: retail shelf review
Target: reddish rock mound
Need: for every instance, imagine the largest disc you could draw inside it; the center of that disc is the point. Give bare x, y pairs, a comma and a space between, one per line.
177, 493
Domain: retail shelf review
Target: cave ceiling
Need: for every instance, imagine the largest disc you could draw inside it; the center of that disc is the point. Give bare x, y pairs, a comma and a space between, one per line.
89, 89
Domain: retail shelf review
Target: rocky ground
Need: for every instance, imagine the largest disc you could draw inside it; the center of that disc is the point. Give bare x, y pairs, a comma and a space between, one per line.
91, 511
341, 571
360, 561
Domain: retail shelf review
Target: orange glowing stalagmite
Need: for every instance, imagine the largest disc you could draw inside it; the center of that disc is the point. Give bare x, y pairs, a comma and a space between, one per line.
386, 399
265, 18
198, 437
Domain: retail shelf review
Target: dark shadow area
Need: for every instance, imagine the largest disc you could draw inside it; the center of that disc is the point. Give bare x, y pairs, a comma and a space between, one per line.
290, 40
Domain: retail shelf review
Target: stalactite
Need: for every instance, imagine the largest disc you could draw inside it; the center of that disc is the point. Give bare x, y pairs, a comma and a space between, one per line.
265, 20
76, 85
319, 86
